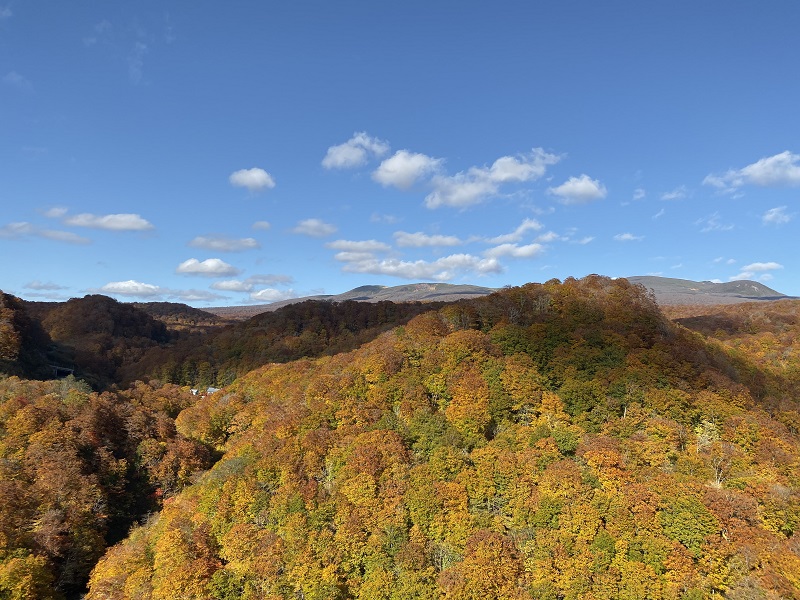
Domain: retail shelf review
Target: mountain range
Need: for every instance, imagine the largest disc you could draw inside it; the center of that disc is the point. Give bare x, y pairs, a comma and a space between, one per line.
668, 291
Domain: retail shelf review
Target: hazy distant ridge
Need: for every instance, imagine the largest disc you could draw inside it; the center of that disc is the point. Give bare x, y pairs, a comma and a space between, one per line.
684, 291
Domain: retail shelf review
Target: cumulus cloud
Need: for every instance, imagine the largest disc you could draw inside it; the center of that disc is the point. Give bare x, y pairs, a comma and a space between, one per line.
131, 288
476, 184
147, 291
249, 284
442, 269
15, 80
212, 267
314, 228
262, 225
639, 193
782, 169
194, 295
679, 193
23, 229
404, 169
628, 237
359, 246
269, 295
762, 266
254, 179
56, 212
776, 216
515, 251
460, 190
516, 235
118, 222
224, 244
421, 240
232, 285
579, 190
757, 270
355, 152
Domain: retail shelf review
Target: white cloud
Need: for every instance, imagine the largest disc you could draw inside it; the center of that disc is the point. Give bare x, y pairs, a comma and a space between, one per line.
639, 193
679, 193
779, 170
442, 269
713, 223
249, 284
314, 228
132, 288
5, 12
585, 240
516, 235
515, 251
354, 152
421, 240
15, 80
212, 267
193, 295
579, 190
271, 279
475, 185
224, 244
62, 236
547, 237
56, 212
460, 190
776, 216
22, 229
762, 266
119, 222
353, 256
404, 169
254, 179
358, 246
232, 285
272, 295
43, 285
757, 270
628, 237
262, 225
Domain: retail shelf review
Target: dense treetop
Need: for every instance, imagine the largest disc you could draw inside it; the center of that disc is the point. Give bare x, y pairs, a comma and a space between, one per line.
562, 440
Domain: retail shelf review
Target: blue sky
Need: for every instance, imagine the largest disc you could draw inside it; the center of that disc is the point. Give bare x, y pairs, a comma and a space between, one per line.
241, 152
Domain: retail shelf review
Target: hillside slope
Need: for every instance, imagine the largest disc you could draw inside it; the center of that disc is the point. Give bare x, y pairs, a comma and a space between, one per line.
550, 441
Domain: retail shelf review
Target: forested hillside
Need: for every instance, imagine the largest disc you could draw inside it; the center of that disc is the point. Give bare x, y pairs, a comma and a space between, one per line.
77, 469
550, 441
310, 328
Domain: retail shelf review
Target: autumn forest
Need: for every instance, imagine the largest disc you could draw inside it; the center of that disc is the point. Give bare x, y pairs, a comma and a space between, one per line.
565, 440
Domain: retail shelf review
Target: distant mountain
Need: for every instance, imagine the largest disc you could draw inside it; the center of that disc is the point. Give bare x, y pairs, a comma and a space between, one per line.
683, 291
413, 292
